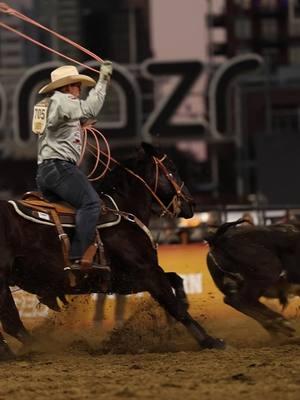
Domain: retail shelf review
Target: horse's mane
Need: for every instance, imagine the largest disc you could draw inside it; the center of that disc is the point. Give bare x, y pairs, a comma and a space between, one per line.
119, 178
118, 173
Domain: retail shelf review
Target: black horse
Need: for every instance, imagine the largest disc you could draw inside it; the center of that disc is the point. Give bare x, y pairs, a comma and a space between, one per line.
247, 262
32, 258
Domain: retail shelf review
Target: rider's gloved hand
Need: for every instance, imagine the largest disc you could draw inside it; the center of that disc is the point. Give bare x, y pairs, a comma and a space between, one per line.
106, 70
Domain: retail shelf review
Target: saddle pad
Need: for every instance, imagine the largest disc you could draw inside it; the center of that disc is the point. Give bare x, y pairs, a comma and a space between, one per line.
42, 215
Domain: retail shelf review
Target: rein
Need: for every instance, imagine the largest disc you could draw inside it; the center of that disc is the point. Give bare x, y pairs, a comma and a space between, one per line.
158, 165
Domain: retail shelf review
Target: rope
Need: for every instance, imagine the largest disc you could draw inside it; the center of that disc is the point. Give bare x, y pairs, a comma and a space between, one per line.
46, 47
108, 154
95, 133
11, 11
97, 152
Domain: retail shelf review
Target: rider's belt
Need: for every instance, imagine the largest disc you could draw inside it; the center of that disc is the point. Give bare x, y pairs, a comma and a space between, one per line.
48, 160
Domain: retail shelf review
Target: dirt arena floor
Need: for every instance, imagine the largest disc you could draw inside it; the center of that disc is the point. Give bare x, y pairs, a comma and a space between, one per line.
147, 359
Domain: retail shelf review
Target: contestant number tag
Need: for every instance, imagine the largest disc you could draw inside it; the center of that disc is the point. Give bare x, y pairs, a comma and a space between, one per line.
39, 120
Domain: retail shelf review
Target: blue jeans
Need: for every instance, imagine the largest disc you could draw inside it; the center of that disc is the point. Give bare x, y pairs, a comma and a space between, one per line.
61, 180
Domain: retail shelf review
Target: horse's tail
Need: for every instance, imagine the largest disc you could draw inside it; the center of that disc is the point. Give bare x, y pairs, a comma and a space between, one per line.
213, 238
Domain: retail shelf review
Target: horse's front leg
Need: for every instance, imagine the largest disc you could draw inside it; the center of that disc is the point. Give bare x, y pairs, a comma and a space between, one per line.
177, 284
161, 290
246, 300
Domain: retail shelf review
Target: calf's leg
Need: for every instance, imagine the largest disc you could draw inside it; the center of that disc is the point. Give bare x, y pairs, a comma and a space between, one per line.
246, 300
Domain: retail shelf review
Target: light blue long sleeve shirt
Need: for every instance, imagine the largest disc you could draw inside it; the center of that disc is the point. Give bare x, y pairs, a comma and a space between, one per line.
62, 137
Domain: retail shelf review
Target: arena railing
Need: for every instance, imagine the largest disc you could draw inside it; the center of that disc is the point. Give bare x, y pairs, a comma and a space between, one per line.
176, 231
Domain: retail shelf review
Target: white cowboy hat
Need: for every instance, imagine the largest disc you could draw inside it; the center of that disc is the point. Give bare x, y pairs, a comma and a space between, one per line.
66, 75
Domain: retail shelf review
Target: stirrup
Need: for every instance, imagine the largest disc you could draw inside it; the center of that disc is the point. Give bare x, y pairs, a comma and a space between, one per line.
74, 266
104, 268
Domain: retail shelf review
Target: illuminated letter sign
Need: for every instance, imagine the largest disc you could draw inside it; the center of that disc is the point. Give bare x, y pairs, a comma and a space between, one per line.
219, 85
159, 121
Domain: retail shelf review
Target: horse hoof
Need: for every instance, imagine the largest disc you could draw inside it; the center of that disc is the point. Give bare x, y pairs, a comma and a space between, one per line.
213, 343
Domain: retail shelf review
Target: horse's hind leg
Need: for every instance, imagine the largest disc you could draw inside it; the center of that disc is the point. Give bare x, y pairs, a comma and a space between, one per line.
161, 290
9, 315
5, 352
11, 321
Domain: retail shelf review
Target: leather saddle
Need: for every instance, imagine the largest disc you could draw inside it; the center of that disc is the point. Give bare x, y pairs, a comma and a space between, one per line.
34, 207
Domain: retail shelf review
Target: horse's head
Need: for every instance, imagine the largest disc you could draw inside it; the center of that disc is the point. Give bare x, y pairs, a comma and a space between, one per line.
175, 198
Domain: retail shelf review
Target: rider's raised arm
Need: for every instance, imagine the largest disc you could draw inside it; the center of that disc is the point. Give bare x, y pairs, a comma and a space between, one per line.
72, 108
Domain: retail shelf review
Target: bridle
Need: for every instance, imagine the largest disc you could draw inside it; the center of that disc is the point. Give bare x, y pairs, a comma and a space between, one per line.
176, 201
